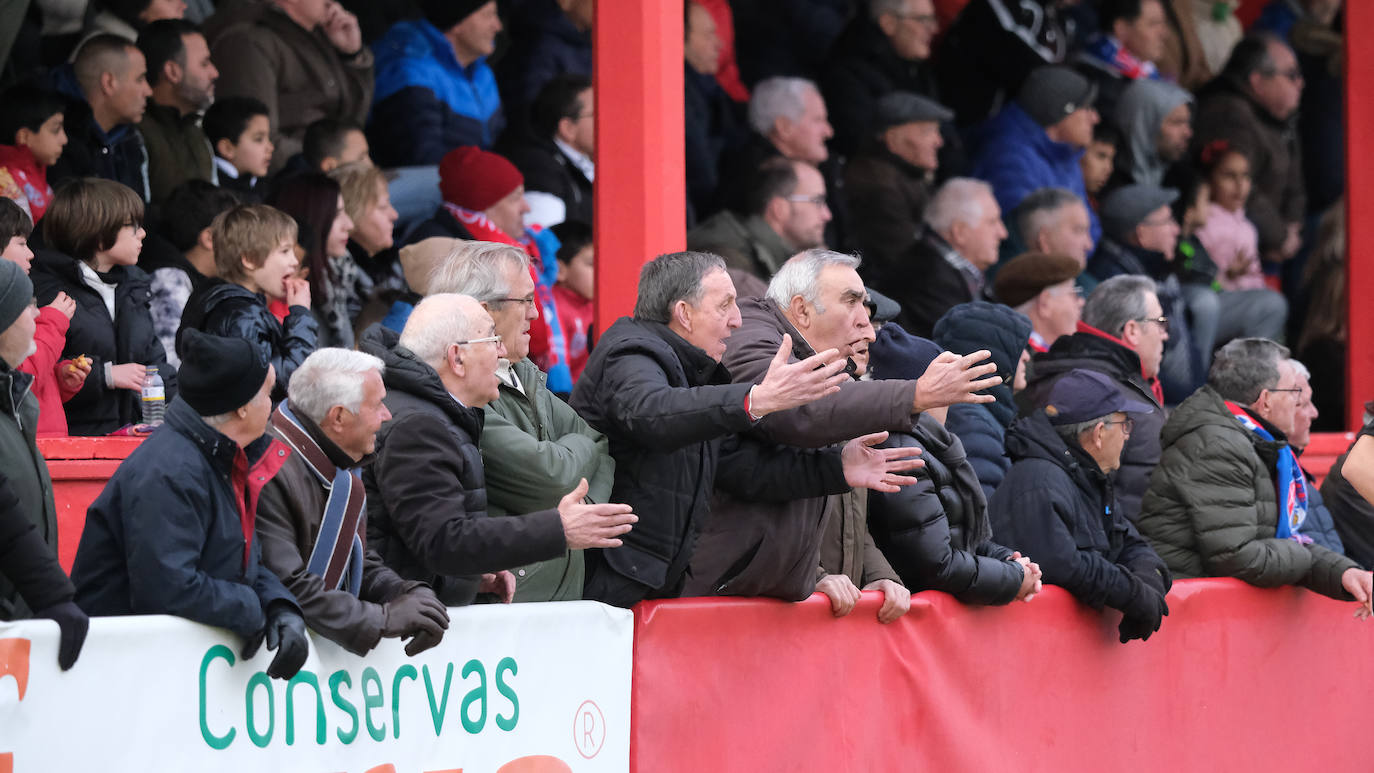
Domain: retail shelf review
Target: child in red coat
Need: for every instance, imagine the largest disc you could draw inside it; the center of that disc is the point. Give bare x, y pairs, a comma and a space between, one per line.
573, 293
31, 140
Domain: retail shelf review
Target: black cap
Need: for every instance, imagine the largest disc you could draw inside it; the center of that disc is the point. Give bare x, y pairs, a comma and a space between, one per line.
1124, 208
1084, 395
898, 354
1050, 94
219, 375
881, 309
446, 14
901, 107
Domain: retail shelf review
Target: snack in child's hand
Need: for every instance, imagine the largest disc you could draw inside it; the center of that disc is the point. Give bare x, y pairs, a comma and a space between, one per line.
80, 360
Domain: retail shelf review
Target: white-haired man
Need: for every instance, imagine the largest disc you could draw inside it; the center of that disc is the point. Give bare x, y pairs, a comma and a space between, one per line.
788, 119
427, 496
312, 516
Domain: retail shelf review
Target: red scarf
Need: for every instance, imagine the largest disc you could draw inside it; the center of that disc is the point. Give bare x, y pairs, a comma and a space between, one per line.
1152, 381
27, 181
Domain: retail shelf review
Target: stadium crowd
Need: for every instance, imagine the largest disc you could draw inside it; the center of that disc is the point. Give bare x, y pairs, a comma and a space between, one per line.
979, 295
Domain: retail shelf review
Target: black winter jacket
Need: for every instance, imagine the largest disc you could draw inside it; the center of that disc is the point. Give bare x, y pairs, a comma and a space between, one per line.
98, 409
1058, 508
225, 309
442, 224
90, 152
548, 170
863, 68
28, 566
936, 533
426, 495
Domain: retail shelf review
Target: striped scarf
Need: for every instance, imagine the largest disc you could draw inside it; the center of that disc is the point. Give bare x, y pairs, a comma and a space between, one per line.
1292, 485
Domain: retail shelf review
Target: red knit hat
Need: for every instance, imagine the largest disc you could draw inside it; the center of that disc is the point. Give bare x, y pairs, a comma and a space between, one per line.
475, 179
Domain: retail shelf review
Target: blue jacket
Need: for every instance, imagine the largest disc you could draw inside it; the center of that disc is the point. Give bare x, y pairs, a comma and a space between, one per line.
426, 103
1015, 157
544, 44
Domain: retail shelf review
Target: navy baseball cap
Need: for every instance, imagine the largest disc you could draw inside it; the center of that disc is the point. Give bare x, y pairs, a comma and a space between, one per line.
1083, 395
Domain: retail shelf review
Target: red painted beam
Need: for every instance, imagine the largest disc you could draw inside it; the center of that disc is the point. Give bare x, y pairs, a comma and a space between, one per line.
1359, 199
640, 180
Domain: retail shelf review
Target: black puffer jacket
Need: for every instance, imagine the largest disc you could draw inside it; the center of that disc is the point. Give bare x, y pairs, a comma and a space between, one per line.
936, 533
426, 495
98, 409
28, 565
226, 309
863, 68
1058, 507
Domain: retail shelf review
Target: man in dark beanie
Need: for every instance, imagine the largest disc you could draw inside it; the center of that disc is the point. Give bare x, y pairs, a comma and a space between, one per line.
32, 583
435, 91
173, 531
1036, 141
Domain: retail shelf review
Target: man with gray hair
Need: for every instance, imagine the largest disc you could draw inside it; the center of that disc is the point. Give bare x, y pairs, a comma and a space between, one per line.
426, 492
793, 546
1054, 221
960, 241
787, 119
535, 448
1228, 498
312, 516
679, 428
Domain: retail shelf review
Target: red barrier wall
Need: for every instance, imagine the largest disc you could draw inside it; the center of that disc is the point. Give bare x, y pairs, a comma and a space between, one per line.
1239, 678
79, 467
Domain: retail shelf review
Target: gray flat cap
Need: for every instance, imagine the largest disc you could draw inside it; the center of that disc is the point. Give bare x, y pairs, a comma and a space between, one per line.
1051, 93
1123, 209
900, 107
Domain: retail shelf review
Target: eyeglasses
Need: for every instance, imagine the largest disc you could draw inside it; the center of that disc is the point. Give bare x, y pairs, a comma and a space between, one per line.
927, 19
1292, 389
817, 200
1156, 222
1127, 424
482, 340
1294, 74
530, 301
1163, 322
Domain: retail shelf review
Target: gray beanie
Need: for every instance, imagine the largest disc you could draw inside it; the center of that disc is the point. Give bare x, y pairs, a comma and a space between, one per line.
16, 293
1124, 208
1051, 93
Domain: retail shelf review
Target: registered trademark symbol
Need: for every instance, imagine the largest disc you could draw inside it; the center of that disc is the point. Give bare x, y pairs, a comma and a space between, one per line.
589, 729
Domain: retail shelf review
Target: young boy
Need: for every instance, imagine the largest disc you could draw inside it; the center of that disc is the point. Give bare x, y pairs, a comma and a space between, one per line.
574, 292
256, 260
1099, 159
239, 131
329, 144
31, 140
55, 380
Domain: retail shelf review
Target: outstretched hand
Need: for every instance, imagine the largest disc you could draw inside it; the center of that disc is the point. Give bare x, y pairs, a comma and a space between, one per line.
790, 384
593, 526
951, 379
877, 468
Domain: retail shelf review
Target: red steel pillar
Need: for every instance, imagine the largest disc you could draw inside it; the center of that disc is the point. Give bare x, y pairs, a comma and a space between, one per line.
1359, 199
640, 180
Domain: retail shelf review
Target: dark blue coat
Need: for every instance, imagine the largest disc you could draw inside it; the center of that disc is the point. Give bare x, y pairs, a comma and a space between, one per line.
165, 536
544, 44
426, 103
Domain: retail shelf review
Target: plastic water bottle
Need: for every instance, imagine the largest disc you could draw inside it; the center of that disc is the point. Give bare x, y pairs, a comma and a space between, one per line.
154, 399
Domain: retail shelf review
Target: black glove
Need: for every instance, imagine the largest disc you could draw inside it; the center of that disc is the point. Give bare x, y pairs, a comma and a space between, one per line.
1143, 613
419, 611
73, 623
1153, 575
285, 633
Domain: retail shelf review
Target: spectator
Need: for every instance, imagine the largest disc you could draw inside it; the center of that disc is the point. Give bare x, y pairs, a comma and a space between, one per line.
1325, 327
1318, 39
785, 212
1042, 287
1218, 30
95, 232
1000, 335
32, 139
130, 18
1352, 510
1058, 503
655, 387
534, 447
727, 74
108, 98
331, 143
992, 46
190, 263
815, 303
1155, 117
426, 491
1099, 160
1131, 40
936, 533
182, 78
558, 161
882, 51
240, 131
435, 90
55, 380
1319, 524
312, 516
1037, 140
1121, 339
787, 118
1183, 59
1212, 510
709, 113
889, 182
787, 39
963, 228
172, 533
255, 263
304, 59
575, 291
1055, 221
418, 262
338, 285
367, 202
555, 38
1251, 105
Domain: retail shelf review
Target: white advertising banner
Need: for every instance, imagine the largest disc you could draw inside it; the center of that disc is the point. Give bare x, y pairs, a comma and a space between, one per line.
525, 688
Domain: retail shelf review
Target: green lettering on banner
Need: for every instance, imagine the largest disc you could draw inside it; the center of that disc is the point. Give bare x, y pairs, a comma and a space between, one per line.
344, 704
436, 712
304, 677
216, 742
404, 672
260, 739
477, 694
507, 664
370, 701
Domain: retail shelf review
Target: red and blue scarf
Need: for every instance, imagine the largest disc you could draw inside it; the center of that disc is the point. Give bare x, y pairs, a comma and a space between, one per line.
1292, 485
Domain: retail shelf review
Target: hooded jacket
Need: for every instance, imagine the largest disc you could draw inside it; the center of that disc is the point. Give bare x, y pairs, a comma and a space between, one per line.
1139, 114
1058, 507
1212, 507
28, 482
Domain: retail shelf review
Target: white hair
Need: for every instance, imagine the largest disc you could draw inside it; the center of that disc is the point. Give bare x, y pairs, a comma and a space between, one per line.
331, 377
877, 8
1300, 369
959, 200
776, 98
478, 269
800, 275
219, 419
437, 323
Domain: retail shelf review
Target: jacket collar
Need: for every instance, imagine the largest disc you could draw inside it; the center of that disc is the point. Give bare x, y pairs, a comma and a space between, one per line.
406, 373
14, 387
697, 364
217, 447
